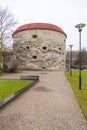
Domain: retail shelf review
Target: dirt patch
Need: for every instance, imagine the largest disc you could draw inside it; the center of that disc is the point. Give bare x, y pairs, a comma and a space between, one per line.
44, 73
42, 89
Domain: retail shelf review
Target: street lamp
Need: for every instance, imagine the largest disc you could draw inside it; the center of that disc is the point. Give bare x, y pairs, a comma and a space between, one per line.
70, 59
79, 27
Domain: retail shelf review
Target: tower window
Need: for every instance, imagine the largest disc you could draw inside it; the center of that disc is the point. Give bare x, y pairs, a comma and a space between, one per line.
59, 48
17, 57
27, 47
44, 48
34, 57
34, 36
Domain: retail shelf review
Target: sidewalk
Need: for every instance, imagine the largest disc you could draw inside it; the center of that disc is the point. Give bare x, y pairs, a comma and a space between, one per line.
49, 105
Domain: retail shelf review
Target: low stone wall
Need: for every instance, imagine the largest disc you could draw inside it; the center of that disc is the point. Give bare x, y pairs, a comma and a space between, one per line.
9, 60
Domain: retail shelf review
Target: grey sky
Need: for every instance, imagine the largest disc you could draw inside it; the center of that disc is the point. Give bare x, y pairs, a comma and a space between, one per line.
64, 13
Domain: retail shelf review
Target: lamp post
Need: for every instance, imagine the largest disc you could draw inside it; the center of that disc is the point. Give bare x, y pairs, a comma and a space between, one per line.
70, 59
79, 27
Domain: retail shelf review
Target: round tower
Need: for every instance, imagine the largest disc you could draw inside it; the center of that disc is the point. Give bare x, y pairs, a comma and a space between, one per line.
40, 46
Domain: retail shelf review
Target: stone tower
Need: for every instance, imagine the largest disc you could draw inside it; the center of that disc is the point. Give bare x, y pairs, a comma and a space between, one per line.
40, 46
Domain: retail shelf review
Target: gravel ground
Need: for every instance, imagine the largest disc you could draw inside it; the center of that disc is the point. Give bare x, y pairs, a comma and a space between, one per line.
49, 105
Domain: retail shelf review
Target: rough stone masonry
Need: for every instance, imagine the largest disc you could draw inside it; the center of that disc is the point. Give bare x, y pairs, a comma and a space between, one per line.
40, 46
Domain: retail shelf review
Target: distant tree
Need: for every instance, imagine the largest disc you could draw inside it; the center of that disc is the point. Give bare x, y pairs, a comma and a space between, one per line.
7, 24
83, 57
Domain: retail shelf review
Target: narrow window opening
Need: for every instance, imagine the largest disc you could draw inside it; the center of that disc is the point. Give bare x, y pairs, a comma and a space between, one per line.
44, 48
59, 48
27, 47
34, 57
43, 67
17, 57
34, 36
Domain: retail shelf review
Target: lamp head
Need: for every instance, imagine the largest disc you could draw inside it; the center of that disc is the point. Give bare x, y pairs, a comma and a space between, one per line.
80, 26
70, 46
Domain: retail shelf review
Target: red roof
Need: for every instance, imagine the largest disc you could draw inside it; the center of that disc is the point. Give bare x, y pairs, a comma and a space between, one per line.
39, 26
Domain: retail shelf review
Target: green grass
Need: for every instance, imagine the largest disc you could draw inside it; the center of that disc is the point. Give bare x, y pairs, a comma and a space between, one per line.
80, 94
8, 87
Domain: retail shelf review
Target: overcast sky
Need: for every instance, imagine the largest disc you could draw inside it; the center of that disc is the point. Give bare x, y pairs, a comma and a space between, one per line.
63, 13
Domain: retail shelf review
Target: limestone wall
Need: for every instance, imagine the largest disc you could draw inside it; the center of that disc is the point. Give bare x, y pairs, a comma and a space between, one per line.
39, 49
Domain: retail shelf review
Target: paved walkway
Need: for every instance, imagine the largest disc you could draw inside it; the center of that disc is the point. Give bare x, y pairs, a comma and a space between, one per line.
49, 105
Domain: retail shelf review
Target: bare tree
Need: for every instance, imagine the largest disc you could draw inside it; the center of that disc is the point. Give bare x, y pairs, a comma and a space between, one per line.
7, 24
83, 57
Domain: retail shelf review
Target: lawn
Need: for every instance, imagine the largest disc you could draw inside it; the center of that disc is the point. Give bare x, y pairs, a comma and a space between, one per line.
8, 87
80, 94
